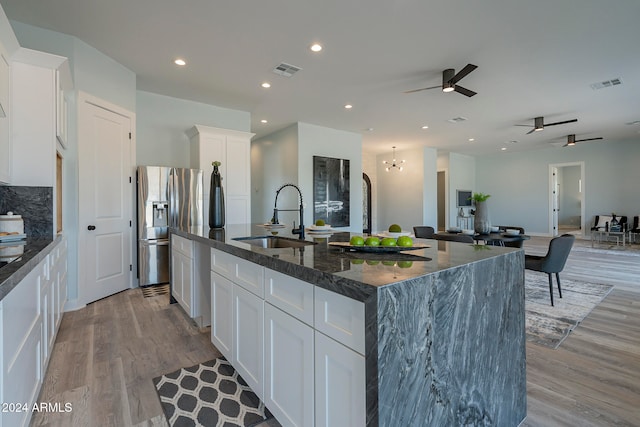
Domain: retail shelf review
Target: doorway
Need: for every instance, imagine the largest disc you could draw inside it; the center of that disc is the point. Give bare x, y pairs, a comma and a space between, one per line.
442, 200
366, 204
567, 186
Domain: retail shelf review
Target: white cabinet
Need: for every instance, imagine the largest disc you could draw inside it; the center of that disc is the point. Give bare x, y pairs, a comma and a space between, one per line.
248, 334
222, 314
340, 384
233, 149
182, 273
289, 368
299, 347
28, 325
5, 117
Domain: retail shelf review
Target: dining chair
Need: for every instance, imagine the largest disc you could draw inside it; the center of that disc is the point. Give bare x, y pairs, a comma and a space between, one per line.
463, 238
553, 262
423, 231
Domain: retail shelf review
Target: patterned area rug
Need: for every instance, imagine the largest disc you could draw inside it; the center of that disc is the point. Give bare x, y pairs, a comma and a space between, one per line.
155, 290
210, 394
549, 325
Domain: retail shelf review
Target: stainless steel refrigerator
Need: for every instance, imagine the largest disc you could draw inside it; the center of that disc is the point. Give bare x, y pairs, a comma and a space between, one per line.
167, 197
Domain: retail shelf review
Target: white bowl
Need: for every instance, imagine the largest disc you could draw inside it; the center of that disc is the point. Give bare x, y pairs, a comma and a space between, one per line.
395, 235
320, 227
468, 232
495, 229
512, 232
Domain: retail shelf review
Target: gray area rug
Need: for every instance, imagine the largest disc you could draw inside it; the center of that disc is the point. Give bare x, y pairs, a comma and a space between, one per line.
210, 394
549, 325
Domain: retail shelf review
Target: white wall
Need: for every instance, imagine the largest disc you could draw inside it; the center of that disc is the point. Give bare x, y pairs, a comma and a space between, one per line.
161, 123
274, 162
321, 141
519, 182
462, 176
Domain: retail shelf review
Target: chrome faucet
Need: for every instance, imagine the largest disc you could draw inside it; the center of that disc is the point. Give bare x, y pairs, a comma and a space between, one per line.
300, 230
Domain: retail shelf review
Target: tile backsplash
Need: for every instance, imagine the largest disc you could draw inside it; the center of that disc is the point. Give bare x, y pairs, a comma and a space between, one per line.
35, 204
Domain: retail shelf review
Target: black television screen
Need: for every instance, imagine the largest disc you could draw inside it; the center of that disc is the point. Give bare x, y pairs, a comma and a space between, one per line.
464, 198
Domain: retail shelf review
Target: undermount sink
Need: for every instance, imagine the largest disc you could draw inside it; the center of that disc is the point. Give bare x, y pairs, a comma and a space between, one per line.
274, 242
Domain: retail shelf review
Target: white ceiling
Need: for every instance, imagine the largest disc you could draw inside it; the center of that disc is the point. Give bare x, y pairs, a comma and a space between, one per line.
534, 58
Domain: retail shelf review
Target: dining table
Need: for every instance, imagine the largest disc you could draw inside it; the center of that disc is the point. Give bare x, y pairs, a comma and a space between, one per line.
500, 238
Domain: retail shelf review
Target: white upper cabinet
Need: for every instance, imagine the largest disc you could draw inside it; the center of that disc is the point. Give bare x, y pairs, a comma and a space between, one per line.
36, 80
233, 149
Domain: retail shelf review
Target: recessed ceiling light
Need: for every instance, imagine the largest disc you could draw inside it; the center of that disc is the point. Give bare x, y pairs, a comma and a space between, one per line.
348, 106
504, 148
316, 47
180, 62
369, 129
266, 85
425, 127
471, 139
263, 121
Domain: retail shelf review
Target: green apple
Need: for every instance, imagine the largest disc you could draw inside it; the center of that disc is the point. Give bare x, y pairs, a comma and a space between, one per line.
404, 241
320, 222
388, 241
356, 241
372, 241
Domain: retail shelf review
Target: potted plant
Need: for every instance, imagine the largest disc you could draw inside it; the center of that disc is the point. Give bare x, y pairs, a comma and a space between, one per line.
481, 222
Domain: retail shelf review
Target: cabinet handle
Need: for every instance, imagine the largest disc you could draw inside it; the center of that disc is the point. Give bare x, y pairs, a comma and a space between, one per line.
91, 227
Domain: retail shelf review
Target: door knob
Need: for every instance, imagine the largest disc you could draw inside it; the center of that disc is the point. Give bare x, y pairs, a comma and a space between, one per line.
91, 227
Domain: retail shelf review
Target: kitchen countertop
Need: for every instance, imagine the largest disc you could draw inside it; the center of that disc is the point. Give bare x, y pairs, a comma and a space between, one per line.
354, 274
35, 249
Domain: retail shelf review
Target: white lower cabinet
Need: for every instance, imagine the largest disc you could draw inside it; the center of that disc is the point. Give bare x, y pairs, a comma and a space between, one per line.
248, 334
289, 389
222, 314
339, 384
182, 281
29, 323
299, 347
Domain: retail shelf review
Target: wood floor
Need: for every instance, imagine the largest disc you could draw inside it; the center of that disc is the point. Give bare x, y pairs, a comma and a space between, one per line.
106, 355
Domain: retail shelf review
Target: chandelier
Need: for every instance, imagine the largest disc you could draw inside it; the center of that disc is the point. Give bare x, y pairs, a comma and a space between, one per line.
393, 163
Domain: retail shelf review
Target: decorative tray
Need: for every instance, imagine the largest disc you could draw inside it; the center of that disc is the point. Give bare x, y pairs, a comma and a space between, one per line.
376, 249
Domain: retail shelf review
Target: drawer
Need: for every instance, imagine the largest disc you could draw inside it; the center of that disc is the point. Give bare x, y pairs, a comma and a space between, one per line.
291, 295
340, 318
182, 245
240, 271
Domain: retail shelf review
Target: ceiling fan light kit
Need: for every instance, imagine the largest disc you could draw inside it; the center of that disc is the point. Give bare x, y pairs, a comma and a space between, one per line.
450, 80
571, 140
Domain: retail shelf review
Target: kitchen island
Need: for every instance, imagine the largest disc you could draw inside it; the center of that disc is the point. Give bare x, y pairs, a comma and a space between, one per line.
443, 329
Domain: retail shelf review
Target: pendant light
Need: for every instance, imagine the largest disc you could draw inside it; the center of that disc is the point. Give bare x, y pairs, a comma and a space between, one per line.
393, 163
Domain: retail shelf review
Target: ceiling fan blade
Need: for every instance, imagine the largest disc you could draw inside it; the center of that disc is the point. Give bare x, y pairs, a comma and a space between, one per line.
588, 139
561, 123
462, 73
424, 88
531, 131
464, 91
528, 126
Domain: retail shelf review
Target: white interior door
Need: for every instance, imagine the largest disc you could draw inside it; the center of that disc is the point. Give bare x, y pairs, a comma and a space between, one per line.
555, 206
105, 199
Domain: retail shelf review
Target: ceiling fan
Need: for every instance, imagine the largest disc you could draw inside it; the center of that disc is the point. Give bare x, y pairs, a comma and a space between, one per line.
449, 80
571, 140
539, 124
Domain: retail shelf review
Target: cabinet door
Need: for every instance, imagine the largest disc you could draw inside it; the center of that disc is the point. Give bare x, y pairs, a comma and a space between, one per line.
222, 314
339, 384
181, 283
5, 138
288, 391
248, 336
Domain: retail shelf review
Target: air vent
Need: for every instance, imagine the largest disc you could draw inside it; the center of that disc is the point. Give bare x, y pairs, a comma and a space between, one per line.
457, 119
606, 83
286, 70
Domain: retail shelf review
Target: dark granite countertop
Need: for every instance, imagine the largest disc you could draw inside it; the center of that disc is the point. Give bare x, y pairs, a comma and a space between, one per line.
35, 249
354, 274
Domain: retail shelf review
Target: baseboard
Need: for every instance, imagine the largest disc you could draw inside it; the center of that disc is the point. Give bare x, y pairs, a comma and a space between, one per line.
73, 305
